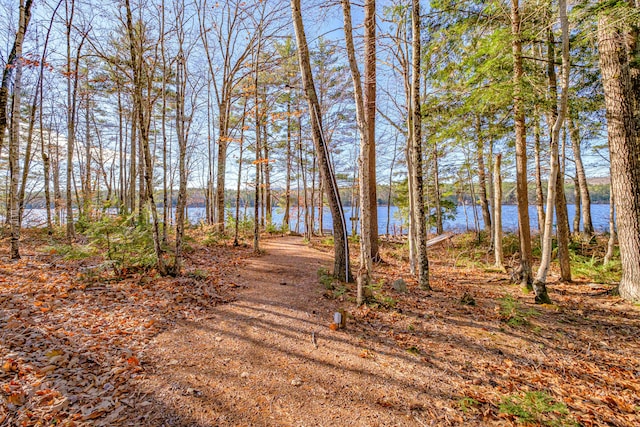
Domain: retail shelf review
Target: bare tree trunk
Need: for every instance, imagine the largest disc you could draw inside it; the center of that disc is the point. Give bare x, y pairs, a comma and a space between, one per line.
72, 74
524, 272
256, 224
369, 103
14, 149
86, 190
132, 159
623, 149
497, 213
57, 193
611, 243
14, 135
482, 179
539, 285
341, 248
413, 241
308, 228
181, 133
287, 185
267, 174
416, 152
321, 209
221, 170
236, 231
364, 165
144, 134
539, 193
312, 198
46, 163
12, 61
27, 154
577, 202
436, 186
121, 156
562, 218
46, 167
166, 210
393, 162
585, 198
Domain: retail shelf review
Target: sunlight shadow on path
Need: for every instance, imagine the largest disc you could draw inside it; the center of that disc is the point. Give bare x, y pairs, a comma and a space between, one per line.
254, 362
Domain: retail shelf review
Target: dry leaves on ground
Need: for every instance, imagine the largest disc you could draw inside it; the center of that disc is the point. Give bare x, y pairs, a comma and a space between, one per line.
72, 343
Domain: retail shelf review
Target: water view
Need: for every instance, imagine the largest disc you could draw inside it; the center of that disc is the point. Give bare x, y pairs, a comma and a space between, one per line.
465, 218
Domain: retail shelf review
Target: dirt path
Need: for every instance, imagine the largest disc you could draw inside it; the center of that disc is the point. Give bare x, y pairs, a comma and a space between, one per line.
254, 362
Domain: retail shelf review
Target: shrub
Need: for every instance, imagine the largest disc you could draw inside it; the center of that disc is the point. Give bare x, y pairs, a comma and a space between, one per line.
128, 246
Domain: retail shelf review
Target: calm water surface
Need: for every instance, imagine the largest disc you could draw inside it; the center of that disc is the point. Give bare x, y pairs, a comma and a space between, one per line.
463, 221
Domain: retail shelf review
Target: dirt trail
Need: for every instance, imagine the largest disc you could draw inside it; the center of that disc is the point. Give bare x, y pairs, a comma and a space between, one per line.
254, 363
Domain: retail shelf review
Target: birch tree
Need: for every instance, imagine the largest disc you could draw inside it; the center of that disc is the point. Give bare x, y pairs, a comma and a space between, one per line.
364, 274
539, 285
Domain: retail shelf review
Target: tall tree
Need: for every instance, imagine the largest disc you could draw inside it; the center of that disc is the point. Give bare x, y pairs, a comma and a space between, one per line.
370, 120
142, 108
7, 73
524, 272
497, 213
341, 247
14, 135
482, 180
227, 22
585, 198
623, 147
416, 151
72, 90
366, 239
539, 285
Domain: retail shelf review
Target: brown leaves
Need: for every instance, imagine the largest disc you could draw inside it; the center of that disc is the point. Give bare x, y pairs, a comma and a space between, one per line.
72, 351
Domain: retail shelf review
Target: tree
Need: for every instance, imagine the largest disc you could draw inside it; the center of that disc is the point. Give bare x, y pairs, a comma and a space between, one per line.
482, 180
524, 272
11, 65
497, 213
416, 152
341, 248
539, 285
225, 21
364, 130
142, 108
369, 101
623, 147
585, 199
14, 135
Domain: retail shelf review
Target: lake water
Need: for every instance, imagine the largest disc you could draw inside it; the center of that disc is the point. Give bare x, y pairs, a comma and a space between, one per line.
463, 221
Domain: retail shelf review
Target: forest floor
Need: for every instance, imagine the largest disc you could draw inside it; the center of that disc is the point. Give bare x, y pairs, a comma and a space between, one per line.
244, 339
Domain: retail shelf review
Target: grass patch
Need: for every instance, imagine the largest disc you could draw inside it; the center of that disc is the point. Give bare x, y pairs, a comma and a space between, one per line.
591, 268
468, 404
327, 241
334, 287
72, 252
537, 408
384, 301
325, 278
413, 350
512, 313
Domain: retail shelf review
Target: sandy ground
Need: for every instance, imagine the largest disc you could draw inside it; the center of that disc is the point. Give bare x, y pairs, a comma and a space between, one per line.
269, 358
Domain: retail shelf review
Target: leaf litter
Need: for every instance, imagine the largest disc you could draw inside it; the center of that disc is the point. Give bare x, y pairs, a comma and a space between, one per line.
77, 352
72, 347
